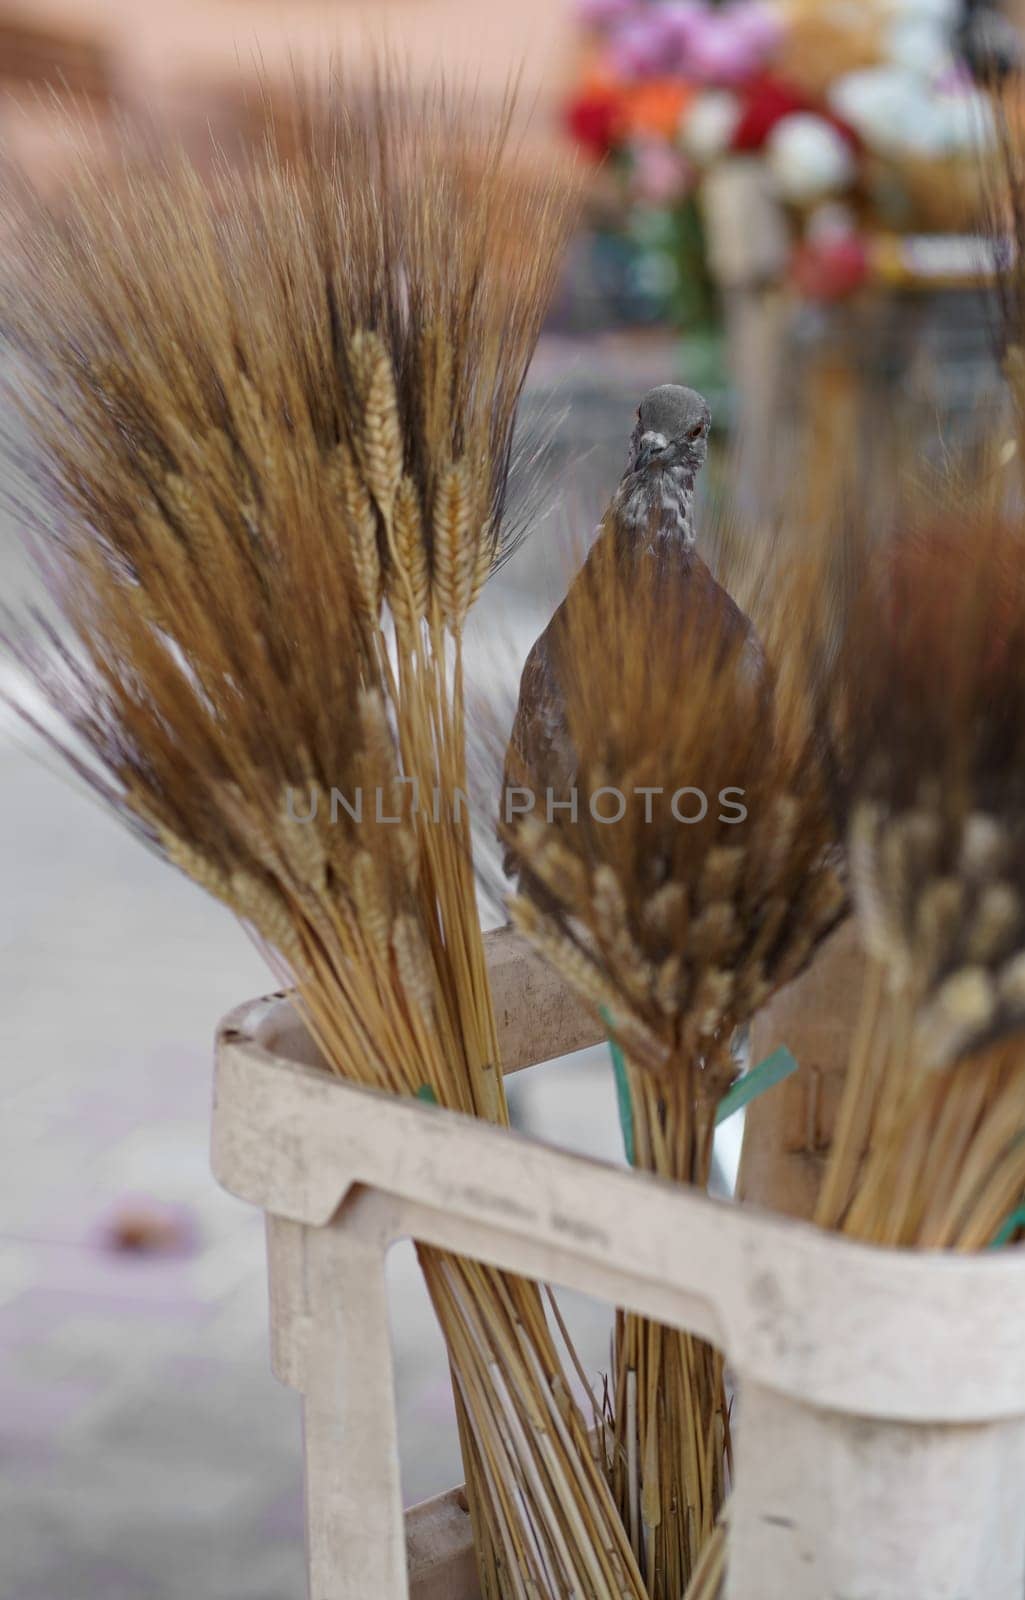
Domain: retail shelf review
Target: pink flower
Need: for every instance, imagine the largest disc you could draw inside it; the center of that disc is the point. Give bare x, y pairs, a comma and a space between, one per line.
644, 47
681, 17
660, 174
725, 45
761, 27
604, 13
718, 53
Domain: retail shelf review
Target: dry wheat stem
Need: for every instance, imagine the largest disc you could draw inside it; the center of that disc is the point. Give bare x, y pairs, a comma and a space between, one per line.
708, 1582
671, 1462
923, 1157
264, 416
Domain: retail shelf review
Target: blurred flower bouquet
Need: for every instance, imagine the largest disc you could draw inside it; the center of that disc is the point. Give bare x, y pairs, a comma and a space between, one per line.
860, 116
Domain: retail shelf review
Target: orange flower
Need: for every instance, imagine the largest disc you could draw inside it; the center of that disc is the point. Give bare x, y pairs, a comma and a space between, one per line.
653, 109
597, 75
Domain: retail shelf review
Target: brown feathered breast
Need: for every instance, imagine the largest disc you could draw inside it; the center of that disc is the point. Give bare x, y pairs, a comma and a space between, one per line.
700, 616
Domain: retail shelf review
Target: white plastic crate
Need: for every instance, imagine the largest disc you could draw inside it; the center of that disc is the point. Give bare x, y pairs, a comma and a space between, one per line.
880, 1450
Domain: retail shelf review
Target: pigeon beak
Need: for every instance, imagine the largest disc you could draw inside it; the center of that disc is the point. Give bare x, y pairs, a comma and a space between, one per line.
650, 448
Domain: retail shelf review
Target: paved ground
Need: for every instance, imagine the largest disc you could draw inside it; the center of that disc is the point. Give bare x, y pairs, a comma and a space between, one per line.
146, 1453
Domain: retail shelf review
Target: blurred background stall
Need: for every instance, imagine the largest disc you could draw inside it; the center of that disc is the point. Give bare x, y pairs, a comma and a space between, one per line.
795, 187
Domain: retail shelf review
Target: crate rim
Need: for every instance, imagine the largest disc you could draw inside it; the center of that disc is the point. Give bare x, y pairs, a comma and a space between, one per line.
946, 1347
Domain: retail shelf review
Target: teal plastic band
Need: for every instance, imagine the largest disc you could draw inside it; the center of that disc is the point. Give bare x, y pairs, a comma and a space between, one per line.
1015, 1221
623, 1101
768, 1073
425, 1092
775, 1069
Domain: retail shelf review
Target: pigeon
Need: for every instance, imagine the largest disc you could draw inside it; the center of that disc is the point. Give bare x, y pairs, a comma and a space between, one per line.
650, 522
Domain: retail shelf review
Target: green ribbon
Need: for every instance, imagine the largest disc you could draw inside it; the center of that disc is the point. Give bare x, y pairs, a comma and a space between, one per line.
623, 1101
1015, 1221
775, 1069
768, 1073
425, 1092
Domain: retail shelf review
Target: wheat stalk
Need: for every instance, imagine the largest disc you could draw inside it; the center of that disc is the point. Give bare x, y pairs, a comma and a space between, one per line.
267, 418
923, 706
709, 1580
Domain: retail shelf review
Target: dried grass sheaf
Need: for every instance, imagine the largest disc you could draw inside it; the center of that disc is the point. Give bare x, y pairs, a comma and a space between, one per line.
269, 425
680, 931
924, 701
923, 696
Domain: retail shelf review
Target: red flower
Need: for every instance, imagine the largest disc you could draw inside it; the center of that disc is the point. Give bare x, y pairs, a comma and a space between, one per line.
832, 269
594, 119
767, 100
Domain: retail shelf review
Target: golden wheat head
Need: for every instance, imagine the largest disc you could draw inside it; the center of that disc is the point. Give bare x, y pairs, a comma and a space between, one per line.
926, 709
251, 413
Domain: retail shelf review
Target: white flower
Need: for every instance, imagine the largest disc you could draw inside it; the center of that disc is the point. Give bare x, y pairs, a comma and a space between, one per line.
808, 158
890, 108
945, 12
708, 125
896, 112
921, 44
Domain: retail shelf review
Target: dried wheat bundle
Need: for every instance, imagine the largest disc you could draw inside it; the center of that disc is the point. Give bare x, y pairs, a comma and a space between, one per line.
266, 424
925, 704
692, 873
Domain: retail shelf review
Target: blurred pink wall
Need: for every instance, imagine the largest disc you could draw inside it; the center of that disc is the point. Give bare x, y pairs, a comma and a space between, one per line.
176, 46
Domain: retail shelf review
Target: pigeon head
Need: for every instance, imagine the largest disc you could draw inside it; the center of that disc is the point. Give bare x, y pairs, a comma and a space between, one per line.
671, 431
667, 451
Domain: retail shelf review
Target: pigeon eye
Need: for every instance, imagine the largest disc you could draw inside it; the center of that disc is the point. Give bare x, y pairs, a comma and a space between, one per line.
697, 430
